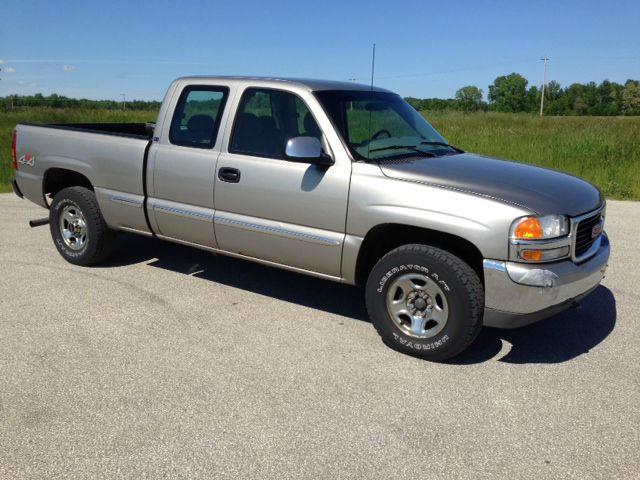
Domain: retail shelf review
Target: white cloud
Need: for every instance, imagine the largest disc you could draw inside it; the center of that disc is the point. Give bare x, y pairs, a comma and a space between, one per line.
68, 68
9, 70
1, 61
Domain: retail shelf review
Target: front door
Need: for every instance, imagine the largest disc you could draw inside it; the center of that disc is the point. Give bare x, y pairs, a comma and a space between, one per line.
273, 209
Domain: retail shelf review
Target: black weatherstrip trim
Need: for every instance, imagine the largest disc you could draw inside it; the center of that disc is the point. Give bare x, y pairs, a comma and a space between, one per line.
145, 161
16, 188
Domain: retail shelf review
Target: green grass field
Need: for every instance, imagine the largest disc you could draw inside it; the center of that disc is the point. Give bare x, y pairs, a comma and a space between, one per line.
603, 150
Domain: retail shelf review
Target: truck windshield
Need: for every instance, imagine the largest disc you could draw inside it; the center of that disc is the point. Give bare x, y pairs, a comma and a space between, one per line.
381, 125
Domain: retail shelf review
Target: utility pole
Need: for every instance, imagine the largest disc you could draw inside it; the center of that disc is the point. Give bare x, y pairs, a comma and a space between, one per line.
124, 101
544, 84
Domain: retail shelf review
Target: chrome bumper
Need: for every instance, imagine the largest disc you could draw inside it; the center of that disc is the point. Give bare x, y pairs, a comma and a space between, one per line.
517, 294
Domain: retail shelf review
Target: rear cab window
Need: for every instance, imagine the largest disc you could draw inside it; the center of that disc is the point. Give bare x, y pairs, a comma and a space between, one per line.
196, 119
267, 119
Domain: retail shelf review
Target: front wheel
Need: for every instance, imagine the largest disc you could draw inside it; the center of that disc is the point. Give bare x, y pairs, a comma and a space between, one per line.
78, 229
425, 301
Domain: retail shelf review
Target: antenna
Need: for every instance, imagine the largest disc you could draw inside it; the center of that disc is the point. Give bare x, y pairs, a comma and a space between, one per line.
373, 64
373, 69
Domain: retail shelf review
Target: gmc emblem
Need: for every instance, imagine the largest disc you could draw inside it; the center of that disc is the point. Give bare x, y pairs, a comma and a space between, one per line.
596, 230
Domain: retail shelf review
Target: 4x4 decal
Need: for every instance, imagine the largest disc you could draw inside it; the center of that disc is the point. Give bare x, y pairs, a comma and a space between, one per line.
27, 160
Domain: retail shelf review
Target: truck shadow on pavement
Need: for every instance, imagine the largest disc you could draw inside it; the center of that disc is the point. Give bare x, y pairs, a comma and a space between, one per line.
280, 284
558, 339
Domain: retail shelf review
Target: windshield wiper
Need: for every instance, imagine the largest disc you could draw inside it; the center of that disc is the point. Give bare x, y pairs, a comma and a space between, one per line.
441, 144
413, 148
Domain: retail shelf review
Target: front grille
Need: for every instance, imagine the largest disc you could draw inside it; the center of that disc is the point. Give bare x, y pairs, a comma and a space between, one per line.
583, 234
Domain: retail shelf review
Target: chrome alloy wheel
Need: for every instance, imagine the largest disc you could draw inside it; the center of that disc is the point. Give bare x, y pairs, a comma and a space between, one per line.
73, 227
417, 305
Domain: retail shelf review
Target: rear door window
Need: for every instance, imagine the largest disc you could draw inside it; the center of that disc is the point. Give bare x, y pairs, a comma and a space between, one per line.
196, 120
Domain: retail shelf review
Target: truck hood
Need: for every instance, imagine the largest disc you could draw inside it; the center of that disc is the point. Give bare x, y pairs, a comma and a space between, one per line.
540, 190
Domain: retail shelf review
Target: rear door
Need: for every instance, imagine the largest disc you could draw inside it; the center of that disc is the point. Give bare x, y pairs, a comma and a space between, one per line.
182, 164
273, 209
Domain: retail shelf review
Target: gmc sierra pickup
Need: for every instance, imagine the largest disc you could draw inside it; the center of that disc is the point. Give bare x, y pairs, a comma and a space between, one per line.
337, 180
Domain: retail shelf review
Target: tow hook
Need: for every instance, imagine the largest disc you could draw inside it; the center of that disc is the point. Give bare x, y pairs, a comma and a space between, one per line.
39, 222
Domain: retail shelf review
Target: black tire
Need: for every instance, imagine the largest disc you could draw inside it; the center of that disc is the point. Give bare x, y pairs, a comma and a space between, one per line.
459, 293
98, 240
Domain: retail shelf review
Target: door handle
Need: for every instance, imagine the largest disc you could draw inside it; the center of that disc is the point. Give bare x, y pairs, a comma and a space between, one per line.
227, 174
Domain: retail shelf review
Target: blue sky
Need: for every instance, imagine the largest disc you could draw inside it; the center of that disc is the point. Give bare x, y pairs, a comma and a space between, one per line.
424, 48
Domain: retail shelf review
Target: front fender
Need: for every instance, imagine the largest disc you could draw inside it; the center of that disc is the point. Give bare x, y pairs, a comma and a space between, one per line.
376, 199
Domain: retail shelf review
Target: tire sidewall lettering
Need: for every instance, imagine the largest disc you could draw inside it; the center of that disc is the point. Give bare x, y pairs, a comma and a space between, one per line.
63, 202
416, 344
412, 268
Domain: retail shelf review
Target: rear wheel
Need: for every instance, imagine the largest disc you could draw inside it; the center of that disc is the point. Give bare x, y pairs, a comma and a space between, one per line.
78, 229
424, 301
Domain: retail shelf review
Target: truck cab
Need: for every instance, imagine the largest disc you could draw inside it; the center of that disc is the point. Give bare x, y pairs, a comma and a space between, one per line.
238, 175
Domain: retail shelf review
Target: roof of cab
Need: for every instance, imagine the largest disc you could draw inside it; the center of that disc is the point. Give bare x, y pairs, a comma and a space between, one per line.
311, 84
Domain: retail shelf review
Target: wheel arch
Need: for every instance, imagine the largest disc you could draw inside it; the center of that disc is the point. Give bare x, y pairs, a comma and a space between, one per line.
383, 238
56, 179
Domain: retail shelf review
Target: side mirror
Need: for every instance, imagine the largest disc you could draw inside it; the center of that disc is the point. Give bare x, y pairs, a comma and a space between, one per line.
307, 150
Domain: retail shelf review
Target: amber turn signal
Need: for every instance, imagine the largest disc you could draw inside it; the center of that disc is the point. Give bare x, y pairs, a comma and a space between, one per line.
531, 255
546, 255
529, 229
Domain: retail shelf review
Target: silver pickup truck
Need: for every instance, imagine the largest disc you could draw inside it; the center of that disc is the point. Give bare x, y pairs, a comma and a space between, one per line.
336, 180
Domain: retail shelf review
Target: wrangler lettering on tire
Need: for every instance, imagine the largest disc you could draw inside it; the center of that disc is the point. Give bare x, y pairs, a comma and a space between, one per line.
424, 301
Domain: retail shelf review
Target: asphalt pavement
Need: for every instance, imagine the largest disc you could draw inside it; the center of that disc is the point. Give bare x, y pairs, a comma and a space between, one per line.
170, 362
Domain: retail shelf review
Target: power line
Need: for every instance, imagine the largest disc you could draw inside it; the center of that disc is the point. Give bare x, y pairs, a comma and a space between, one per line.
475, 68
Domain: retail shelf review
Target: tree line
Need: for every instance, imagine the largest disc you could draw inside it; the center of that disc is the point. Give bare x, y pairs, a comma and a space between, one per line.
13, 102
509, 93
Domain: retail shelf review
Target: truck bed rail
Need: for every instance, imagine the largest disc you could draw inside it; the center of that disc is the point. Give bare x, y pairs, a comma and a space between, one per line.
132, 130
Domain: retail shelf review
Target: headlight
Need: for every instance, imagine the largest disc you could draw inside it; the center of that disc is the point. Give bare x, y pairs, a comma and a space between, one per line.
538, 239
540, 228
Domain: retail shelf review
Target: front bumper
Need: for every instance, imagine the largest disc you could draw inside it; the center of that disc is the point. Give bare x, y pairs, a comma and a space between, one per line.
517, 294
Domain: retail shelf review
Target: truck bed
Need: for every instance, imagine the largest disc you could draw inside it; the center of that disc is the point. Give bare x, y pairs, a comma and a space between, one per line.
111, 156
